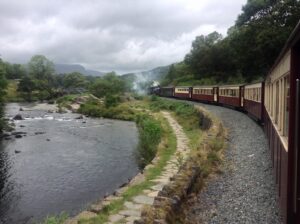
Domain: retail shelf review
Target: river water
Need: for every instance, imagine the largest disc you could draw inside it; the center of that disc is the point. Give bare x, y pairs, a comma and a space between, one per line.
64, 164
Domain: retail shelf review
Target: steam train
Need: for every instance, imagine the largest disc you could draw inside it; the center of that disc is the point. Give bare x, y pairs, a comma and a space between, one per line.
275, 103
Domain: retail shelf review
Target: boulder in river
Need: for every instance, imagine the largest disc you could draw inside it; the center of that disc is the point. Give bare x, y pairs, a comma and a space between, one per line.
18, 117
39, 132
19, 133
21, 109
18, 136
79, 117
17, 151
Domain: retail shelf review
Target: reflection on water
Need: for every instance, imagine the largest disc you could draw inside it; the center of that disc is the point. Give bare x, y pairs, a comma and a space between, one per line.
64, 163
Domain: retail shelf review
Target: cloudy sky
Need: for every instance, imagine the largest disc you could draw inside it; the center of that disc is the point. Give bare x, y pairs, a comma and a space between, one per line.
106, 35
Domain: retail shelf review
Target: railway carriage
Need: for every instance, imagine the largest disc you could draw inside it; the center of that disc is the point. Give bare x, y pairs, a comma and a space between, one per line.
281, 119
166, 91
253, 100
183, 92
231, 95
205, 93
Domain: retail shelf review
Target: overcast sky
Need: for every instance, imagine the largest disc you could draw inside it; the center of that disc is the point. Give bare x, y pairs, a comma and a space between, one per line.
106, 35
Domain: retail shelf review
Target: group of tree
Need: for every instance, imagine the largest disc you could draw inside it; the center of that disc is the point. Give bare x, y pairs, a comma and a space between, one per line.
38, 79
247, 52
3, 84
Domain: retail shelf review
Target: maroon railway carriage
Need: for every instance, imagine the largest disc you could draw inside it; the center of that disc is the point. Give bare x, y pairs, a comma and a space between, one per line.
183, 92
166, 91
205, 93
281, 119
231, 95
253, 100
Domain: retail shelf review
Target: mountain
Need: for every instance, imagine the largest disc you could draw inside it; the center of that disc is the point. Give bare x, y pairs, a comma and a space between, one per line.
69, 68
155, 74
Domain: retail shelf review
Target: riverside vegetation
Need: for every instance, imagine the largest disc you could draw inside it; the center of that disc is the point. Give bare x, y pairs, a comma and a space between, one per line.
156, 139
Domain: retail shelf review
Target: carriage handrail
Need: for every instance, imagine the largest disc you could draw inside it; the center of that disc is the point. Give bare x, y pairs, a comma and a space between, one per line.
296, 144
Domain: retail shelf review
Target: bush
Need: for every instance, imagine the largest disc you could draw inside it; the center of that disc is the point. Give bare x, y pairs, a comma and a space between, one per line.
150, 133
154, 98
111, 100
43, 95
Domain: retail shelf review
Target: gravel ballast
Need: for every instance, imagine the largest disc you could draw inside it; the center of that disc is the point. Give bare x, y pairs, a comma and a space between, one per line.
245, 192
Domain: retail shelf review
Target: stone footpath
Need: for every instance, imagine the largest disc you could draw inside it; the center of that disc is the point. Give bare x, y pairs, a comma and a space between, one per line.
132, 209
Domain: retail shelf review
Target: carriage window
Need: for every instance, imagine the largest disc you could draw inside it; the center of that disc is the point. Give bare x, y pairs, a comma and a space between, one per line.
286, 105
277, 103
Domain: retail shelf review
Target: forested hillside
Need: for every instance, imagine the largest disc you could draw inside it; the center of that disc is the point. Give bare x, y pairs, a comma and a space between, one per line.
246, 53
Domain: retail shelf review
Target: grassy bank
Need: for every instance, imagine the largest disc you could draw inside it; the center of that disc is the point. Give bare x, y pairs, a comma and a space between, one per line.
192, 122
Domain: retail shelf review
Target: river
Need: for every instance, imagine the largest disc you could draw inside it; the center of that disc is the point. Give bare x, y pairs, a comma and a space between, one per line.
64, 163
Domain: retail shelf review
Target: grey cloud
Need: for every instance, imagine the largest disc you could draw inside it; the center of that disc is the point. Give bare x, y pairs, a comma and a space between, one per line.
127, 35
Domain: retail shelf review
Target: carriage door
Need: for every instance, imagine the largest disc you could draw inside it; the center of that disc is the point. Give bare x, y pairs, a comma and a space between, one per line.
215, 91
242, 91
190, 92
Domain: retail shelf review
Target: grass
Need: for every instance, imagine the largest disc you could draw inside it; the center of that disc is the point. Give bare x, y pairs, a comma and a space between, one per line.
56, 219
185, 114
11, 92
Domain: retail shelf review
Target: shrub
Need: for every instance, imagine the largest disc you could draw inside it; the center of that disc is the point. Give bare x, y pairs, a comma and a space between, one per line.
111, 100
150, 133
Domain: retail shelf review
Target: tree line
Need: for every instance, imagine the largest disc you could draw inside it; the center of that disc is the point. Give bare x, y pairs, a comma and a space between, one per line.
37, 80
247, 52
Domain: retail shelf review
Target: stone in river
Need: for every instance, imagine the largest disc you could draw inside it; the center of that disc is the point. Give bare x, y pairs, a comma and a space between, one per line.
39, 132
18, 117
17, 151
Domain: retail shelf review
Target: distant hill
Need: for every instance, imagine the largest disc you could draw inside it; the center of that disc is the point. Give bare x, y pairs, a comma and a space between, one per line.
69, 68
156, 74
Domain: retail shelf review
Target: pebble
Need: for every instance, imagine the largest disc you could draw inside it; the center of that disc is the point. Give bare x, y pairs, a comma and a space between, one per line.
246, 191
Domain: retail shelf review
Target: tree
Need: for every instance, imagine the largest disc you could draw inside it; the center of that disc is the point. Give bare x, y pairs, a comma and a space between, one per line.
41, 70
171, 75
110, 84
260, 33
74, 80
27, 86
14, 71
204, 55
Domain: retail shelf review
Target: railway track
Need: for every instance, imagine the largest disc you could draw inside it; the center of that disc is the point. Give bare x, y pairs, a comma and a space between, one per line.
246, 191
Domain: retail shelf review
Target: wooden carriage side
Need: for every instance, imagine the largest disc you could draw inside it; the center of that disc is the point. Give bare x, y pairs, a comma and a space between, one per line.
183, 92
281, 125
230, 95
204, 93
253, 100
